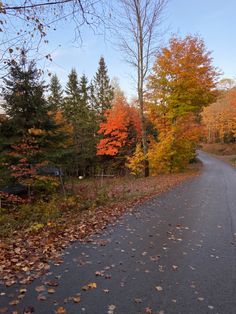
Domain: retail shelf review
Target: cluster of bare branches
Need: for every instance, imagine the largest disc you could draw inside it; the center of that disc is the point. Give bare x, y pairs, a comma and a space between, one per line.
24, 24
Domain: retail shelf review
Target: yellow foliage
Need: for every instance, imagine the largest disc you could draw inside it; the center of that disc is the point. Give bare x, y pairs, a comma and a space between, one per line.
135, 162
170, 154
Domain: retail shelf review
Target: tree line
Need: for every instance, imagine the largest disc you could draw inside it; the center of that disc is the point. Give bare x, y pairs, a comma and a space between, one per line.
91, 128
45, 126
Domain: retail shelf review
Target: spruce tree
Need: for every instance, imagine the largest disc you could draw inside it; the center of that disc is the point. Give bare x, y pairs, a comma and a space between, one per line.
84, 90
29, 122
102, 91
25, 103
72, 99
79, 115
56, 93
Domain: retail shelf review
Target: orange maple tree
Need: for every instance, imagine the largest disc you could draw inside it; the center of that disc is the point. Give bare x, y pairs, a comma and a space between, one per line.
182, 82
121, 128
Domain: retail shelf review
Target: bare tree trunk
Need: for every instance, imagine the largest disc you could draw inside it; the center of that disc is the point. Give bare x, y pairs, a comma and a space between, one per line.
144, 133
137, 33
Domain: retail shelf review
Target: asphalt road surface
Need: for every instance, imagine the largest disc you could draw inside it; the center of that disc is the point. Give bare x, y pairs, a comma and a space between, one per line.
174, 254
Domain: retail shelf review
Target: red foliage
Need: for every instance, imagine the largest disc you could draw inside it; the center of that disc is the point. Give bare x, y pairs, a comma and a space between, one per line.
115, 130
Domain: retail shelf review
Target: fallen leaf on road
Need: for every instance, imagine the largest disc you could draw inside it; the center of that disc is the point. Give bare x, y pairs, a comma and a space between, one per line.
159, 288
60, 310
111, 309
14, 302
40, 288
89, 286
105, 290
28, 310
41, 297
77, 299
53, 283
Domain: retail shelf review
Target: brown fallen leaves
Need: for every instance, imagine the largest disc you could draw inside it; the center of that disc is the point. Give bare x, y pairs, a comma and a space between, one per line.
25, 256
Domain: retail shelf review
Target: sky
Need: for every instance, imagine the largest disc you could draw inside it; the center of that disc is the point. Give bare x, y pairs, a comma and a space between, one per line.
213, 20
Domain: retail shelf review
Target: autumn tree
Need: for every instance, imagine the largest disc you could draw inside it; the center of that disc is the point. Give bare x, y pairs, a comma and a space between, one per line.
120, 132
182, 83
219, 119
136, 25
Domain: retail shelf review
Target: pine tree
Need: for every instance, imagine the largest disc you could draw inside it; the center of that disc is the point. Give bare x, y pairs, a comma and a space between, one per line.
102, 91
70, 105
78, 114
89, 127
84, 90
28, 118
25, 104
56, 93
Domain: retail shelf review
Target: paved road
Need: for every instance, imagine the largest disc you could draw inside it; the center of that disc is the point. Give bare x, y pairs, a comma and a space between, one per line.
175, 254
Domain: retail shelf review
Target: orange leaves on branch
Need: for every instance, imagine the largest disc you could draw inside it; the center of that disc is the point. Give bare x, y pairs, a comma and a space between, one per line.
116, 129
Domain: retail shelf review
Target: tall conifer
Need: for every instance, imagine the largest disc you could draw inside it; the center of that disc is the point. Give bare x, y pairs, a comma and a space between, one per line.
102, 91
56, 93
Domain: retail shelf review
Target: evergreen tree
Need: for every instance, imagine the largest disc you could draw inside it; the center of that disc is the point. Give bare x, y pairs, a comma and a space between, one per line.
102, 91
25, 103
29, 122
72, 99
90, 126
78, 114
56, 93
84, 90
